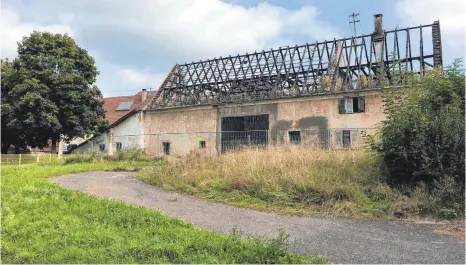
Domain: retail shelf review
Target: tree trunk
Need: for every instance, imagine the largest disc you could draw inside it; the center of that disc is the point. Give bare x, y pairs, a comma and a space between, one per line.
54, 146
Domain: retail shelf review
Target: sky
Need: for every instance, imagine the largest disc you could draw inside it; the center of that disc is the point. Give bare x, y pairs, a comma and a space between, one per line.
136, 43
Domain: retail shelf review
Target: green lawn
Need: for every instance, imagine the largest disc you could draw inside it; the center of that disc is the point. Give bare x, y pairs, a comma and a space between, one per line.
44, 223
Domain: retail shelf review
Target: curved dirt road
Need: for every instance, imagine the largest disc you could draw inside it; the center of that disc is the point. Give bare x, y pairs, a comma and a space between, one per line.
338, 239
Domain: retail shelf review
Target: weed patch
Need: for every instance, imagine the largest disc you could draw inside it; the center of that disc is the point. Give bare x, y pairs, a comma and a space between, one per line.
296, 180
284, 178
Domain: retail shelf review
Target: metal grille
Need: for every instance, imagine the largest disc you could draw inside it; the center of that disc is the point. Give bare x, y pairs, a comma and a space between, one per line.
241, 139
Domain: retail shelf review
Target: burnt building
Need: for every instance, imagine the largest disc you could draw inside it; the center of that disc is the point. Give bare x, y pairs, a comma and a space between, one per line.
324, 93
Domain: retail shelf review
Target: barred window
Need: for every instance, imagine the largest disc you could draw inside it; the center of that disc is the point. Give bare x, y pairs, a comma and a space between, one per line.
295, 137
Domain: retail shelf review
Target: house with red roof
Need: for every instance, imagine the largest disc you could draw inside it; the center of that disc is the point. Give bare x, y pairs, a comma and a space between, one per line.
124, 116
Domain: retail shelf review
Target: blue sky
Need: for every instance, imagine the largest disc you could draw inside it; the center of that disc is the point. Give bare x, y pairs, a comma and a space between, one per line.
135, 43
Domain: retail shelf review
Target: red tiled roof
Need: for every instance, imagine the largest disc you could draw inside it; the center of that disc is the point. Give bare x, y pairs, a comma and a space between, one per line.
111, 104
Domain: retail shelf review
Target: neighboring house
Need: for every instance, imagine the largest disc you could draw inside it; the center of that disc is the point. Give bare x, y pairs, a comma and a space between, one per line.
47, 149
125, 129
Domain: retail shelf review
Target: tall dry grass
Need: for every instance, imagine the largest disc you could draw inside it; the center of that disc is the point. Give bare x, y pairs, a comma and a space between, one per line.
285, 178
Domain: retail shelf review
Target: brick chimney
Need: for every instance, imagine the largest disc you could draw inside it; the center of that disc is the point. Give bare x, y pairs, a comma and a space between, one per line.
378, 38
378, 28
144, 94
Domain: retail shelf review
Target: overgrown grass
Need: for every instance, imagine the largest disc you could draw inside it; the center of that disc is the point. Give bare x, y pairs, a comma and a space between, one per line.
44, 223
127, 154
292, 180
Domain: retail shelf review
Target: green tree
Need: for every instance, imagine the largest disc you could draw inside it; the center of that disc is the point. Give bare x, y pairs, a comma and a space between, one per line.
51, 93
10, 134
422, 138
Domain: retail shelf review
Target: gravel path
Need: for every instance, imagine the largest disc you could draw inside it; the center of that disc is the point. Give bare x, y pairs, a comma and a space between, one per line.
338, 239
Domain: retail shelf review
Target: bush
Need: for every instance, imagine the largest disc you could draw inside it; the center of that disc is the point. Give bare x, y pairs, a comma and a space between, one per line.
445, 199
422, 138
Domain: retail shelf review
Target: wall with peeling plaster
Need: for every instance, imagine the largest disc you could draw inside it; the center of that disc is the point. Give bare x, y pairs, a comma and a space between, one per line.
183, 126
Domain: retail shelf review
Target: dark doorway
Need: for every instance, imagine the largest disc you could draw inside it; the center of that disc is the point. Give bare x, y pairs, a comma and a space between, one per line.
244, 131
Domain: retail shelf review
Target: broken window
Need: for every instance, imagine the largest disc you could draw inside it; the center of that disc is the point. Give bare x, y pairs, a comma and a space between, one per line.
102, 147
166, 148
295, 137
352, 105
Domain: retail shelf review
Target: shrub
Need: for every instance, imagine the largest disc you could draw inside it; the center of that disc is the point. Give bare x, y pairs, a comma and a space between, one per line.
445, 199
422, 138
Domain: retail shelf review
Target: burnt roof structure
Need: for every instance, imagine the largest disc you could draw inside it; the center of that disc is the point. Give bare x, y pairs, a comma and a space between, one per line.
348, 64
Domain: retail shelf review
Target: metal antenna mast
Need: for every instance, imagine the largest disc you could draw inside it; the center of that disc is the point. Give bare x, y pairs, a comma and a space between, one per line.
353, 20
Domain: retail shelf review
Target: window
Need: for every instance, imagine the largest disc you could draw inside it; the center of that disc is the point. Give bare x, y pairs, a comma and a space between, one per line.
102, 147
295, 137
118, 146
166, 148
349, 105
352, 105
347, 138
125, 105
201, 144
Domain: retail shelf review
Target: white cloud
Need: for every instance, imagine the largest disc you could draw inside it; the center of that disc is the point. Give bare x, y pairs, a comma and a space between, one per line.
13, 30
207, 28
142, 78
182, 29
449, 12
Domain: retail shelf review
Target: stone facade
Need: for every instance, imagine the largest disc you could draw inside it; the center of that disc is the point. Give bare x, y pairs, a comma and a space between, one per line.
184, 127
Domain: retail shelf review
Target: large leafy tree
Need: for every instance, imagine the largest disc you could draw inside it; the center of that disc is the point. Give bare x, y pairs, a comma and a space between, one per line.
49, 92
10, 134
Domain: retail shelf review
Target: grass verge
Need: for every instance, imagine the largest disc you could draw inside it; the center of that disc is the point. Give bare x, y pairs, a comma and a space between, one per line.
291, 180
44, 223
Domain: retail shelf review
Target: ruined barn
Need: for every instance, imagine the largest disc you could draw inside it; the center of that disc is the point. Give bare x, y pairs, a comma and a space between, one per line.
323, 94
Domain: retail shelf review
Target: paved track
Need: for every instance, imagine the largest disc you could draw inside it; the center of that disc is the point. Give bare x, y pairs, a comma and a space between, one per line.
338, 239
